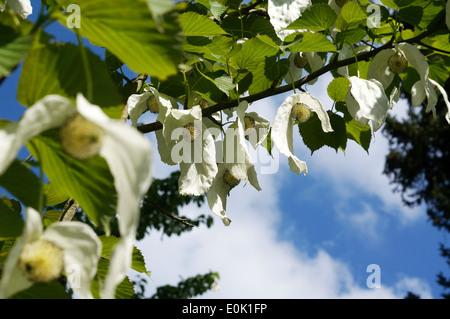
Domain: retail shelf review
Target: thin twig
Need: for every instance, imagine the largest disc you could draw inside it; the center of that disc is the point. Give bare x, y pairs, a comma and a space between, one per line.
182, 220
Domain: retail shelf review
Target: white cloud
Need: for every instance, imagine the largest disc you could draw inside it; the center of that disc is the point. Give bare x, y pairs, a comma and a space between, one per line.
253, 262
362, 221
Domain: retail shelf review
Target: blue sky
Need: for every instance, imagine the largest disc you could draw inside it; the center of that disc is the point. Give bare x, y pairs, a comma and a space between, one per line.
301, 236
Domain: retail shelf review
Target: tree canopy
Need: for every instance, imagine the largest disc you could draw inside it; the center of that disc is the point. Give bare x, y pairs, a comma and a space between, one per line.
73, 209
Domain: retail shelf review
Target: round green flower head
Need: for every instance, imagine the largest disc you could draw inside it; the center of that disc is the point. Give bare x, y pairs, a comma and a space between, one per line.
80, 138
249, 122
41, 261
152, 104
230, 180
301, 112
191, 132
398, 63
300, 61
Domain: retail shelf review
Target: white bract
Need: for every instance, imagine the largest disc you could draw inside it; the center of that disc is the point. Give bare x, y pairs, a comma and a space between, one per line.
139, 103
187, 141
283, 12
127, 152
20, 7
235, 165
256, 127
38, 255
367, 101
151, 100
382, 70
282, 128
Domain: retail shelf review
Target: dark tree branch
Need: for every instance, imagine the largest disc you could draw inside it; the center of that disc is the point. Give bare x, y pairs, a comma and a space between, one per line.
333, 65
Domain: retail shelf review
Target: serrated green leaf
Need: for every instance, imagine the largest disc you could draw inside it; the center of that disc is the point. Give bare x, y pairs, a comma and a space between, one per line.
315, 138
124, 290
50, 217
318, 17
352, 36
338, 89
11, 223
313, 42
55, 69
194, 24
258, 55
361, 134
217, 9
351, 16
249, 27
137, 261
53, 196
128, 30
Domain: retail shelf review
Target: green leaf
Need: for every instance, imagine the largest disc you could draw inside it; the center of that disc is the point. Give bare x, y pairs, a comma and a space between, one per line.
313, 42
11, 224
21, 182
352, 36
258, 55
124, 290
412, 15
315, 138
52, 290
127, 29
318, 17
88, 182
56, 68
53, 196
351, 16
13, 48
50, 217
361, 134
249, 27
159, 8
338, 88
217, 9
194, 24
137, 261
